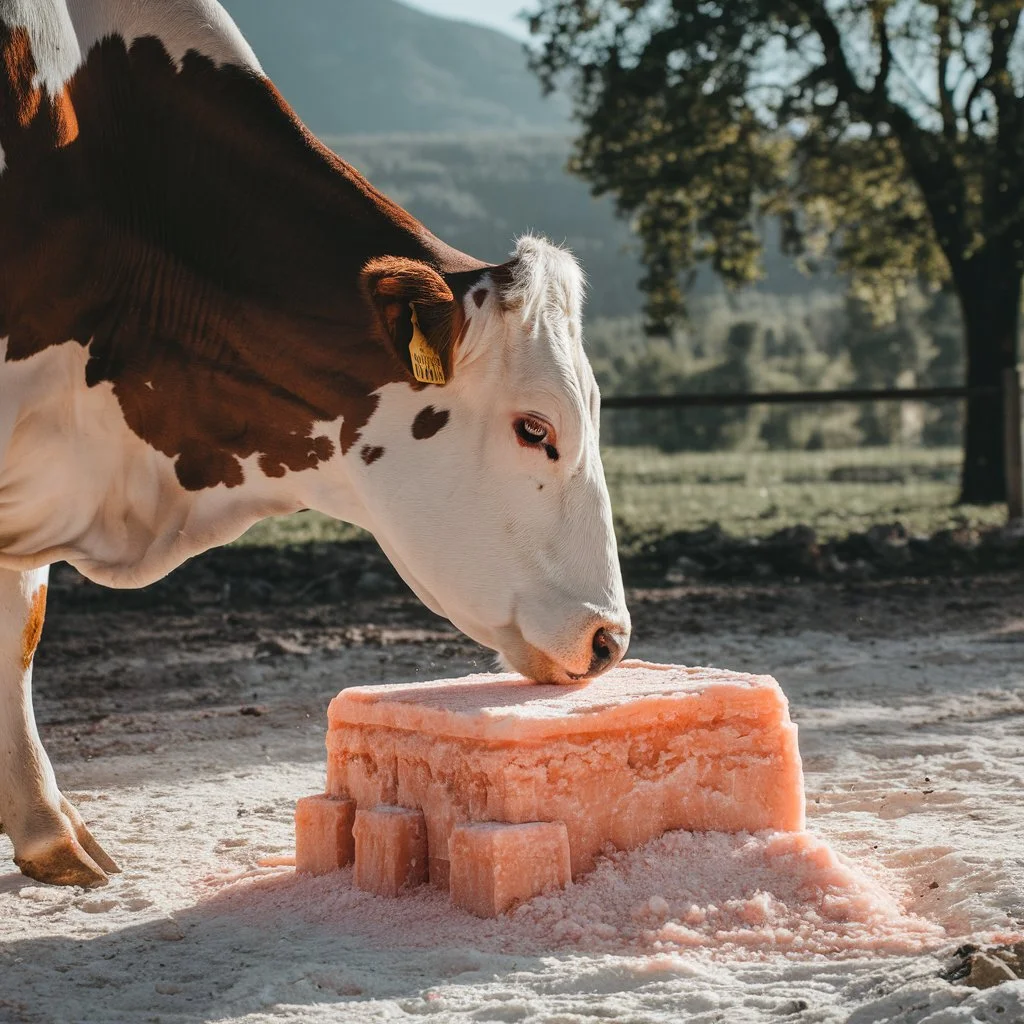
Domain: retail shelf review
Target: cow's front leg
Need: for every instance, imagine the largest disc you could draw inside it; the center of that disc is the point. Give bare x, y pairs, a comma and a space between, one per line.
51, 842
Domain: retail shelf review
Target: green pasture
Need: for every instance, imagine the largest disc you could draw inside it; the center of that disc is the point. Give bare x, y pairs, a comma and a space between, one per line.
747, 493
752, 494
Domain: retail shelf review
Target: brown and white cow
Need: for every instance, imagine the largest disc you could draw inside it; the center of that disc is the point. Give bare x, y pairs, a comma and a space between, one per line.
207, 318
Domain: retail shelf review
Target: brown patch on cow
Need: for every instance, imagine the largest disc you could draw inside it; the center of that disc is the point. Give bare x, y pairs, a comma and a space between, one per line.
480, 297
33, 626
22, 101
370, 455
428, 422
187, 227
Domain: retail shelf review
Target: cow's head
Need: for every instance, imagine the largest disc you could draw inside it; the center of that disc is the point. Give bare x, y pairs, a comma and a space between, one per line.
487, 491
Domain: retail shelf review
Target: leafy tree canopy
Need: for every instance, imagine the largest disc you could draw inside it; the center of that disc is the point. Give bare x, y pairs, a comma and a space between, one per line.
889, 131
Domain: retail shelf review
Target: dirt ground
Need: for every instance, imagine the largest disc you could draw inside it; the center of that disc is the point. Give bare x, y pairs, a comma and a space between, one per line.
227, 634
250, 640
184, 721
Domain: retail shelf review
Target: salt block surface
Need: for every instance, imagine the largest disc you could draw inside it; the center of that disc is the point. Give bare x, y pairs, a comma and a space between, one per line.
620, 760
323, 834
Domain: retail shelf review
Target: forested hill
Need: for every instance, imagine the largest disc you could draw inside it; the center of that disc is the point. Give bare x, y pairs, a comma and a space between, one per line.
377, 66
479, 191
446, 118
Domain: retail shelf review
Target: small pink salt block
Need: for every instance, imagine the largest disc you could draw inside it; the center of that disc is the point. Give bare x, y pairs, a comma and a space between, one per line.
323, 834
637, 752
494, 867
391, 850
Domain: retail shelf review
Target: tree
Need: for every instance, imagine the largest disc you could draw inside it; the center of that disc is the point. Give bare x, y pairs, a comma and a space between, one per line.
890, 132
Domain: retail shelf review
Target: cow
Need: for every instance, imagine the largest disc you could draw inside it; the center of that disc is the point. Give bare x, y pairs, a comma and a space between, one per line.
208, 318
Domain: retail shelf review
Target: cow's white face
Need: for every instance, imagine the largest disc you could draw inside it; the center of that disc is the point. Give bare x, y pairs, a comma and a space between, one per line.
488, 493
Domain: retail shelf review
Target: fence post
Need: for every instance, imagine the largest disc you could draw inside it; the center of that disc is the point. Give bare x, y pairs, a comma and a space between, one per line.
1014, 469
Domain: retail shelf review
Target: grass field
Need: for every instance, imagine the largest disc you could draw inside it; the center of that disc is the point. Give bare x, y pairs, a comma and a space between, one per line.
747, 494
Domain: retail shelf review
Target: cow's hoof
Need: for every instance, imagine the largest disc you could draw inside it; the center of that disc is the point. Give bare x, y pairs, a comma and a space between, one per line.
91, 847
63, 863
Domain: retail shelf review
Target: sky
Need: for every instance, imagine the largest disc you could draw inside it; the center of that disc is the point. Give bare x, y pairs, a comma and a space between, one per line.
500, 14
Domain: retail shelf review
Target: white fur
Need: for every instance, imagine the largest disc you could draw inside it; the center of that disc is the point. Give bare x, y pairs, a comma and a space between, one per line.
517, 550
547, 281
62, 32
77, 484
52, 38
30, 802
181, 25
514, 548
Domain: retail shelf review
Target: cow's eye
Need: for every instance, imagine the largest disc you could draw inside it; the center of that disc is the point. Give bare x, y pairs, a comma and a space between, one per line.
531, 432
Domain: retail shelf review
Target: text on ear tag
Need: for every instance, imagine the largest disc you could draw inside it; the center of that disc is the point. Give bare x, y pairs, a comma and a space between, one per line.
427, 367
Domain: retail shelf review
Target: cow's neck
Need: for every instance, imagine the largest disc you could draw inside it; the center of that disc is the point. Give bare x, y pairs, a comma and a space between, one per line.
178, 227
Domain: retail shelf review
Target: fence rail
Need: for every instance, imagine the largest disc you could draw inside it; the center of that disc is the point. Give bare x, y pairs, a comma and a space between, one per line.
1010, 390
731, 398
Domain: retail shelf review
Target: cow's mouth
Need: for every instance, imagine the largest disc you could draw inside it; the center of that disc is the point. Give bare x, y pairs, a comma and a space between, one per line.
515, 652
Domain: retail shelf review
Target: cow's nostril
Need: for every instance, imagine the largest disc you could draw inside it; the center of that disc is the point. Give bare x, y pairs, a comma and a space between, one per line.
607, 651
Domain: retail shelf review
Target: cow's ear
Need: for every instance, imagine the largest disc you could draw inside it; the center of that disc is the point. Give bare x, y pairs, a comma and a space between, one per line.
417, 311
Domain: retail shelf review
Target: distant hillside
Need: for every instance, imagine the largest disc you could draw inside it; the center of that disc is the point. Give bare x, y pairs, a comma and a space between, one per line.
446, 118
377, 66
478, 192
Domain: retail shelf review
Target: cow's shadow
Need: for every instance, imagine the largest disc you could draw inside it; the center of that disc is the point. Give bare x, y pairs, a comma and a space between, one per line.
245, 950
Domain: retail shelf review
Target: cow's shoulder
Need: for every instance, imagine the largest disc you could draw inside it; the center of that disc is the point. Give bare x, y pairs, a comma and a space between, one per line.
182, 26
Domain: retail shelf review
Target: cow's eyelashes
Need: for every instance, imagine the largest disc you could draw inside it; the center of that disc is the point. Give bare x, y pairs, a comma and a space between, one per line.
533, 432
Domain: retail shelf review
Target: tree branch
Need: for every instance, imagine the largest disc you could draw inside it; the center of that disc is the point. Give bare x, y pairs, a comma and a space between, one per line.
945, 27
881, 87
928, 156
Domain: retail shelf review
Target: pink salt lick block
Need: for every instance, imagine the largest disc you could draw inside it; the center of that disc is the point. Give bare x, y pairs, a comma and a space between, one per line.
323, 834
391, 850
639, 751
495, 866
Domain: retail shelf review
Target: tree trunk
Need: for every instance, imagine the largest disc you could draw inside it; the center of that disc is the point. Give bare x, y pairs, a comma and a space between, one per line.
989, 288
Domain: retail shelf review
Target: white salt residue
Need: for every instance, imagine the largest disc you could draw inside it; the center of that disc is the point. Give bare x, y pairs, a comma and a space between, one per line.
734, 895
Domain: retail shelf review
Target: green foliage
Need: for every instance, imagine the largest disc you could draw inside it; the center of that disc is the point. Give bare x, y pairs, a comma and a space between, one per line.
891, 130
757, 342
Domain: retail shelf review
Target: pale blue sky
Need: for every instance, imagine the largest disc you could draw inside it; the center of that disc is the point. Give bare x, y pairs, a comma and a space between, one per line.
500, 14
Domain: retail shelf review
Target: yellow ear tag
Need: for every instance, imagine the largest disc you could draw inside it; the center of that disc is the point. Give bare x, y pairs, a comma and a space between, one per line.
427, 367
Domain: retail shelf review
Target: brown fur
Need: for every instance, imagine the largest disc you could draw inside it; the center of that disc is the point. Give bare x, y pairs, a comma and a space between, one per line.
394, 286
189, 227
33, 626
428, 422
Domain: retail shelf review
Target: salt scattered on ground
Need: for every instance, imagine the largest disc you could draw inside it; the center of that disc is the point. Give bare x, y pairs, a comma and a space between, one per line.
735, 896
914, 755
